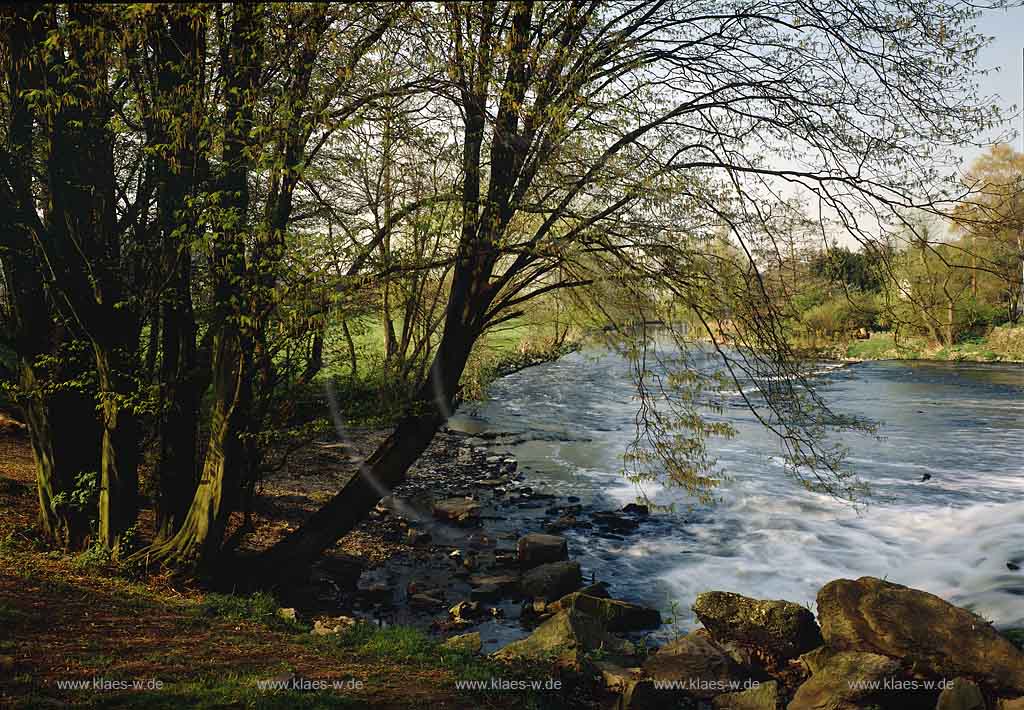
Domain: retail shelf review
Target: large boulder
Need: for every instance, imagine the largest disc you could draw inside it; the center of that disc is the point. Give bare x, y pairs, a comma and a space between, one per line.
616, 615
782, 629
567, 636
537, 549
850, 681
762, 696
634, 690
962, 694
925, 632
697, 666
551, 581
462, 511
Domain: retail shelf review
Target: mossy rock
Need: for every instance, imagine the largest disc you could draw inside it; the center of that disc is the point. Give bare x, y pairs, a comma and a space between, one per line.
616, 615
780, 628
568, 635
923, 630
851, 680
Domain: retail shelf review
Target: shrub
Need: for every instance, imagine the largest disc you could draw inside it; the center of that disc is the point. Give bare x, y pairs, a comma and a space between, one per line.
841, 315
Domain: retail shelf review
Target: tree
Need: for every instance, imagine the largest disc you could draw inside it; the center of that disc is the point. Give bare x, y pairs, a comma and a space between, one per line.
51, 365
457, 163
270, 121
600, 137
167, 167
930, 286
991, 221
61, 81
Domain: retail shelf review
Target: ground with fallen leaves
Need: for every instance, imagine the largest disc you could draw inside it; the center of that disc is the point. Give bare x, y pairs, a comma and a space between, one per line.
69, 617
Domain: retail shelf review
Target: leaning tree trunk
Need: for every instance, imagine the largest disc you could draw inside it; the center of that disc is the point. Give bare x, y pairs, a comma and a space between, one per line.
383, 470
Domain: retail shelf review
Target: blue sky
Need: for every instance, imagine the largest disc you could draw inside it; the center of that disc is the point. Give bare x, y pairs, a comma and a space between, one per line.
1006, 27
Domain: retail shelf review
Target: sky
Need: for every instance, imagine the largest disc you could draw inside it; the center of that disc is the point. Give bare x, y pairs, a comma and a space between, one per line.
1006, 28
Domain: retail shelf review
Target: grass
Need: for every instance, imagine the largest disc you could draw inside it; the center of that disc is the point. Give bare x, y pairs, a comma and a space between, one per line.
375, 398
883, 346
64, 618
368, 338
260, 608
1004, 344
65, 622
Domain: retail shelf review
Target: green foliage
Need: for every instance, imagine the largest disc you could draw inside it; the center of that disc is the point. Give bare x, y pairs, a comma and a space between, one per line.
853, 270
95, 557
842, 315
83, 497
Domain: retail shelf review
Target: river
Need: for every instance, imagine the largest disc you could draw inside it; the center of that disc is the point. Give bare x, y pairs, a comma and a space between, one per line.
568, 422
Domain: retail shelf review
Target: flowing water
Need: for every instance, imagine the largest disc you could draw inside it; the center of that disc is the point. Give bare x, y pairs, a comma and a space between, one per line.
569, 422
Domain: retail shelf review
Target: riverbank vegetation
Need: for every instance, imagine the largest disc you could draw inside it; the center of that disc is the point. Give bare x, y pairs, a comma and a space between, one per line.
949, 287
232, 231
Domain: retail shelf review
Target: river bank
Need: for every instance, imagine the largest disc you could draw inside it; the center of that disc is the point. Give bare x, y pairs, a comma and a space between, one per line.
450, 569
1002, 345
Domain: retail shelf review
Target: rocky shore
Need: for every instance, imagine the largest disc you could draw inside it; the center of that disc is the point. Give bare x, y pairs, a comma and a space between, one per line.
474, 553
466, 527
875, 644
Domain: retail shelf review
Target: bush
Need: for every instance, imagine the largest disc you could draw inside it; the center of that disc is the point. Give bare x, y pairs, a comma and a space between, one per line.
842, 316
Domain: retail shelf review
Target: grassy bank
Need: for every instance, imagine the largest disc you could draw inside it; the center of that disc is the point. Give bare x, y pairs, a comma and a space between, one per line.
374, 394
65, 622
1003, 344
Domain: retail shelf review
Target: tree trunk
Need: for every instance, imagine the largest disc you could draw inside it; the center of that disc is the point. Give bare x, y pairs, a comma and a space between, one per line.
61, 420
387, 466
84, 252
175, 470
178, 40
64, 433
384, 470
119, 481
950, 323
315, 361
197, 541
351, 343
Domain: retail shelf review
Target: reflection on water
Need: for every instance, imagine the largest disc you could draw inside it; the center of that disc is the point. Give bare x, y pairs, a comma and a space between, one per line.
570, 422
